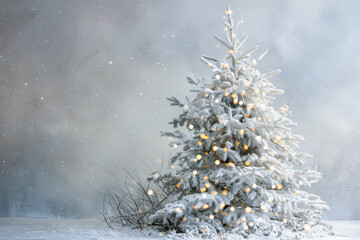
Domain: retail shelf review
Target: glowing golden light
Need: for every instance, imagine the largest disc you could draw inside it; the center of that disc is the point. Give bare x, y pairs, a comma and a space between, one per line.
177, 209
225, 66
210, 64
217, 101
175, 145
280, 186
198, 157
217, 76
150, 192
202, 135
202, 189
226, 93
232, 209
206, 177
243, 93
195, 172
199, 143
177, 185
225, 192
184, 219
229, 12
225, 149
246, 147
211, 216
247, 163
191, 126
247, 190
248, 209
233, 95
215, 148
217, 162
222, 205
206, 95
214, 193
207, 185
241, 131
307, 227
254, 185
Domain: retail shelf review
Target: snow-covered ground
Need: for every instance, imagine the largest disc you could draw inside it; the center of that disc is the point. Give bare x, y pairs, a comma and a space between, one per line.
90, 229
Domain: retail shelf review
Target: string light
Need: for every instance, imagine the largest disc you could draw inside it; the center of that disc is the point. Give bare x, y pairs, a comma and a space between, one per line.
246, 147
233, 95
247, 163
195, 172
217, 162
307, 227
217, 76
248, 209
175, 145
177, 209
150, 192
207, 185
225, 66
241, 131
280, 186
199, 143
214, 193
211, 217
198, 157
215, 148
243, 93
225, 149
191, 126
229, 12
225, 192
247, 190
232, 209
222, 205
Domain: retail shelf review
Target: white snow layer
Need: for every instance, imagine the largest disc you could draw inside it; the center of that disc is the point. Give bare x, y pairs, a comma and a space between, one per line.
91, 229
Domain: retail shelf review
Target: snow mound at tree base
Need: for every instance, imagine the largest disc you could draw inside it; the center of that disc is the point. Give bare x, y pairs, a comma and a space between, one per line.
322, 230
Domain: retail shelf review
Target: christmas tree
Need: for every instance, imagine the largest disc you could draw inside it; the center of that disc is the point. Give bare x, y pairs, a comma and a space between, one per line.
238, 170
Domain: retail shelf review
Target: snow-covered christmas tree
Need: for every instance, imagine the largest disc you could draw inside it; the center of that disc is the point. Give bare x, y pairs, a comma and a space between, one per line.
238, 171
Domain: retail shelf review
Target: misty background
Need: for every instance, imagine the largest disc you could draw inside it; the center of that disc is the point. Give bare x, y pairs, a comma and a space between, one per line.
83, 87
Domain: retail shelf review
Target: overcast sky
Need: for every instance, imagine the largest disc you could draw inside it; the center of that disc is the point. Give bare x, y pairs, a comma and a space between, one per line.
83, 87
